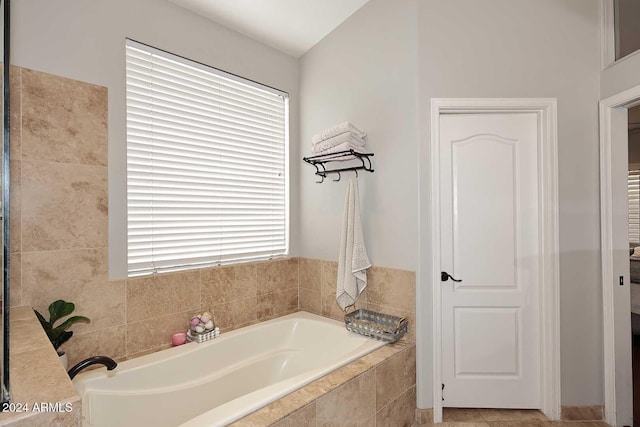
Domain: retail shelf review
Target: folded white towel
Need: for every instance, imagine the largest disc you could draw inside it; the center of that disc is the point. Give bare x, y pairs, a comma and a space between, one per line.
337, 130
342, 147
353, 260
327, 144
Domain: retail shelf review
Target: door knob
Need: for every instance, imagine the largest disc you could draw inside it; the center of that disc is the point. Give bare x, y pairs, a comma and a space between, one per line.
444, 276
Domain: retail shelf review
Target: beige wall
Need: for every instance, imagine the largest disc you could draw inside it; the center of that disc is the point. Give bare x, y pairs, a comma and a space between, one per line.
85, 40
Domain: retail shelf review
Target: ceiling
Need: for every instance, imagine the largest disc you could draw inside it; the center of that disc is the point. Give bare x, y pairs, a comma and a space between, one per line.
291, 26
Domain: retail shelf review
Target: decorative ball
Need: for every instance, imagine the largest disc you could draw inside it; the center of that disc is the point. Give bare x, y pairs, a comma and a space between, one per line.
209, 324
205, 318
199, 329
194, 321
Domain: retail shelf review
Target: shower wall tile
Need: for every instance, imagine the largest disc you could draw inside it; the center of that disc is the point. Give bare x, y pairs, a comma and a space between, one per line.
15, 206
15, 279
63, 120
15, 104
64, 206
224, 284
158, 295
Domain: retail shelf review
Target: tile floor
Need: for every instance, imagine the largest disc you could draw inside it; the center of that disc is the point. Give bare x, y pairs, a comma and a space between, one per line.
454, 417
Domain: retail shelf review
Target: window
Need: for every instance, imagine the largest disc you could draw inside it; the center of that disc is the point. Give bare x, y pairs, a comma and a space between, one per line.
627, 27
206, 165
634, 206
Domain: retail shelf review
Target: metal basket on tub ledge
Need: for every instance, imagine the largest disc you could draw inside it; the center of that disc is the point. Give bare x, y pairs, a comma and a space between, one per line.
383, 327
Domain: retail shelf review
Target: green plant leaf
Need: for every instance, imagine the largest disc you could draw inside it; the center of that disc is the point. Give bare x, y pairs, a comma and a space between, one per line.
61, 339
45, 325
59, 309
70, 321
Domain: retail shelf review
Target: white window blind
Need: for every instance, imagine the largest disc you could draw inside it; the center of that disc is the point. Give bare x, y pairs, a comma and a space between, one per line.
634, 206
206, 165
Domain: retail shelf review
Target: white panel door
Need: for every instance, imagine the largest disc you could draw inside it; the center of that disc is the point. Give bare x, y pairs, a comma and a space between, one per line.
490, 240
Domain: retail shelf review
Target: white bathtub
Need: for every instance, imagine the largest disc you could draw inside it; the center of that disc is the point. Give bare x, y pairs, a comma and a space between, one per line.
218, 382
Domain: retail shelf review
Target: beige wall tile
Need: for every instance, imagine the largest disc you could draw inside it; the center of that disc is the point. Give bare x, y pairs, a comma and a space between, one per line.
277, 275
391, 287
51, 419
400, 412
530, 423
277, 303
580, 413
150, 334
328, 276
22, 313
352, 404
310, 273
108, 342
46, 383
395, 376
224, 284
15, 279
15, 102
15, 207
462, 414
513, 415
145, 352
305, 417
328, 279
234, 313
22, 336
63, 120
162, 294
330, 307
424, 416
310, 300
564, 424
78, 276
64, 206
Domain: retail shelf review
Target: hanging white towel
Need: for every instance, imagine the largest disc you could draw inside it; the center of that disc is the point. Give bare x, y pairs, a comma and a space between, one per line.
353, 260
337, 130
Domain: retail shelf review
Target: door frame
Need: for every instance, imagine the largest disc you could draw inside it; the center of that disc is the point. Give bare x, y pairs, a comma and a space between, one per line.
546, 110
613, 360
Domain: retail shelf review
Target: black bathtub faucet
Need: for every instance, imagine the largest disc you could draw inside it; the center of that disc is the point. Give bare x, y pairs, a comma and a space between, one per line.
95, 360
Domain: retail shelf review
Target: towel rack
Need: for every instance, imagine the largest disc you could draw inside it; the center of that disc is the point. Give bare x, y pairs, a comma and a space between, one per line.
321, 160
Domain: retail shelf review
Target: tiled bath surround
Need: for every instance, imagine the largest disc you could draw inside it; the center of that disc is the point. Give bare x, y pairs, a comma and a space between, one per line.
375, 390
59, 238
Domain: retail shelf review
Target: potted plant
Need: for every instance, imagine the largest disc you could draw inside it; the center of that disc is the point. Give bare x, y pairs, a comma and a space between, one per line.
58, 335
